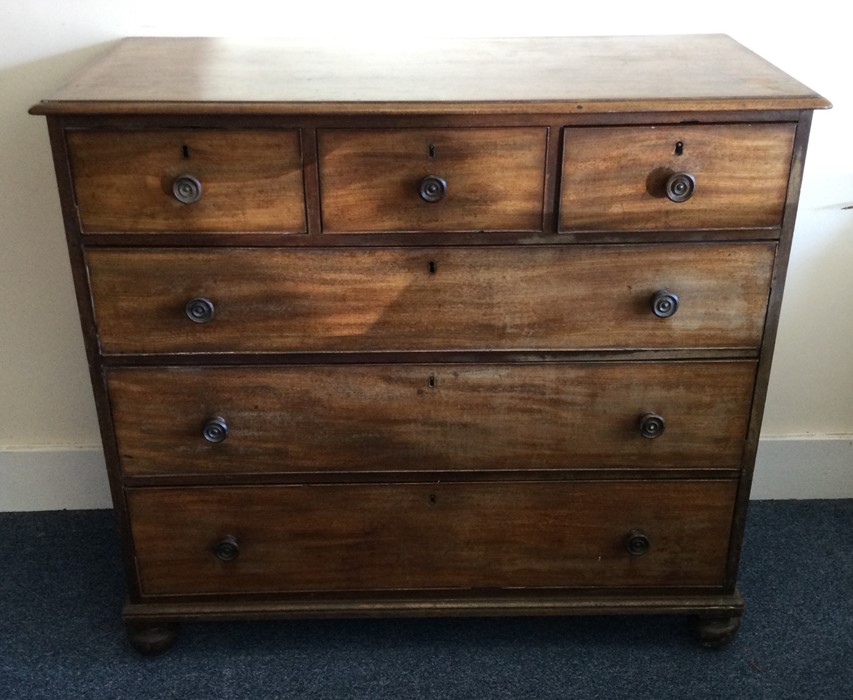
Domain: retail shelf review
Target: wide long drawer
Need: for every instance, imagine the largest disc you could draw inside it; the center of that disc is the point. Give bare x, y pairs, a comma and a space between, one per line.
240, 420
468, 298
337, 538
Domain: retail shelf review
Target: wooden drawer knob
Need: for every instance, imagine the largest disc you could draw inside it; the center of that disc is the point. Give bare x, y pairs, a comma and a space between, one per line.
227, 549
664, 303
652, 426
186, 189
680, 187
215, 430
200, 310
637, 543
432, 188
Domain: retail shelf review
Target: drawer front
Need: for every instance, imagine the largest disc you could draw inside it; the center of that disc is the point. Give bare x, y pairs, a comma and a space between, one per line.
432, 179
616, 178
420, 417
329, 538
503, 298
188, 180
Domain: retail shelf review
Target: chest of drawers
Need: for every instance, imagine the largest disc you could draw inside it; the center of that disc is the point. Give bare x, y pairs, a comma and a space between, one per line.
472, 328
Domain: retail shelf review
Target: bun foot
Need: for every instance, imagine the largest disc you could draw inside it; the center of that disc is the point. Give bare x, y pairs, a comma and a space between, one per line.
716, 632
152, 640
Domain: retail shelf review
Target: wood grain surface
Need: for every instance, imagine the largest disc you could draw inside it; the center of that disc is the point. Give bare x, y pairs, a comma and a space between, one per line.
359, 537
405, 417
614, 177
428, 76
251, 180
369, 179
535, 297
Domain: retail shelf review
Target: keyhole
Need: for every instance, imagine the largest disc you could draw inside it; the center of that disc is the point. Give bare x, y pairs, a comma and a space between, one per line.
431, 151
679, 148
186, 151
432, 267
431, 381
433, 499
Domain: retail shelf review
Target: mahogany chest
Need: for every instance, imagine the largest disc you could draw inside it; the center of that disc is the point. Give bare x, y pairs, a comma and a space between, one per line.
469, 327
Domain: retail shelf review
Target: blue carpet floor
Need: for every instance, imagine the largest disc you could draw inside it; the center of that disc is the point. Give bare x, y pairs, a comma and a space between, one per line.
61, 636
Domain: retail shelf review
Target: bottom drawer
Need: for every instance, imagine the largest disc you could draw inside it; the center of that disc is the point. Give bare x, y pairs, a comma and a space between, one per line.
360, 537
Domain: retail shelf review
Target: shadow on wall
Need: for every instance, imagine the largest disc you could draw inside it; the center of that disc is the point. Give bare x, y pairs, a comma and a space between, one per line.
812, 365
30, 204
43, 381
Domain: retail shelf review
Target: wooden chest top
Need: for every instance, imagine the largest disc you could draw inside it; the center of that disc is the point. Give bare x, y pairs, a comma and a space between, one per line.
430, 76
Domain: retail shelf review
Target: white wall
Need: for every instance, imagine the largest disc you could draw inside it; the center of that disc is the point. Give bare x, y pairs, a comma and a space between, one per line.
45, 399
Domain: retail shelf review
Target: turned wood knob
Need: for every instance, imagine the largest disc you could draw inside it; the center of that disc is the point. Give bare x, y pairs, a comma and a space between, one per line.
664, 303
215, 430
227, 549
680, 187
432, 188
652, 426
200, 310
187, 189
637, 543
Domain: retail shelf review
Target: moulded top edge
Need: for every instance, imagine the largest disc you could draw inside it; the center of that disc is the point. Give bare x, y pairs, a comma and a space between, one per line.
438, 76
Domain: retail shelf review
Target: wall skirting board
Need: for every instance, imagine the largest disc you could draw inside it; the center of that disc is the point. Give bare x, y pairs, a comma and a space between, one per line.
53, 478
798, 466
62, 478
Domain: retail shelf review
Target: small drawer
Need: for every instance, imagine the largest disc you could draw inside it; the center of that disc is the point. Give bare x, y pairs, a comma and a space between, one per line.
383, 418
188, 180
432, 179
451, 536
466, 298
675, 177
